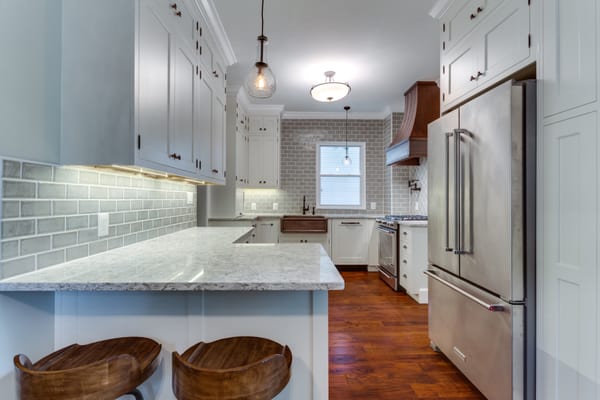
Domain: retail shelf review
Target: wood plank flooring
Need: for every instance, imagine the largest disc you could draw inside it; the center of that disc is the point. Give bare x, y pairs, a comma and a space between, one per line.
379, 347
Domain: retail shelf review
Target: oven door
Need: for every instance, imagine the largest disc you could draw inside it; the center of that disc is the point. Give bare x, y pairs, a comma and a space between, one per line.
387, 250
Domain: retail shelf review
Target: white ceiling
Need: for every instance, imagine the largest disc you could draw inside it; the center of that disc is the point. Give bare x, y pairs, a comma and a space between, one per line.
380, 47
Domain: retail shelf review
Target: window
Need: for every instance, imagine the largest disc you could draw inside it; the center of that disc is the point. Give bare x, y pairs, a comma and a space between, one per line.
339, 185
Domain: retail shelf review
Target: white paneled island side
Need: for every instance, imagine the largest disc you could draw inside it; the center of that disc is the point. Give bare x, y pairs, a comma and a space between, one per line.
179, 289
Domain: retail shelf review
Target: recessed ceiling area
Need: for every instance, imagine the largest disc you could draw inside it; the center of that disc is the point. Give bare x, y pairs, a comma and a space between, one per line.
379, 47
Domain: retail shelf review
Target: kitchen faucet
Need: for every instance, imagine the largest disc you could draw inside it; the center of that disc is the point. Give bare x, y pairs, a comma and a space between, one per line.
305, 208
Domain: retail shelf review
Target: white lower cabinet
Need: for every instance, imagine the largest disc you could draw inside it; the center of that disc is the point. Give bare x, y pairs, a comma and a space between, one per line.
321, 238
413, 261
350, 241
267, 230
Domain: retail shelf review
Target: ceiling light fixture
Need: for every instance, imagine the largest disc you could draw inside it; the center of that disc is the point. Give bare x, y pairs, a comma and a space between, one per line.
347, 160
260, 82
329, 90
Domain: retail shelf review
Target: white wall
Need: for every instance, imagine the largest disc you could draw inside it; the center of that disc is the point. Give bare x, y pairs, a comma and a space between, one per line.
30, 33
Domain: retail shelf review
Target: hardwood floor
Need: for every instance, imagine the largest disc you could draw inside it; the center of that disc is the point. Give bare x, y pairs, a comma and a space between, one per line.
379, 347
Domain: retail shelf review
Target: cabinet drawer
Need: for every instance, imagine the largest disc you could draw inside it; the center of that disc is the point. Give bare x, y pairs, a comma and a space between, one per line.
462, 17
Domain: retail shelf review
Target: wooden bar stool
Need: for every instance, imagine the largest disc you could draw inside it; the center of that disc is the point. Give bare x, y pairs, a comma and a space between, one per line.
241, 367
102, 370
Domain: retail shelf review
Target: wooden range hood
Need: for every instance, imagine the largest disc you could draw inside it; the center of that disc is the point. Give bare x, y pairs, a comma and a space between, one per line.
422, 105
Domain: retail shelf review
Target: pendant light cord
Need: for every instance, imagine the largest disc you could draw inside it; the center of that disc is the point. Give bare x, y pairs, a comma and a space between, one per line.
346, 108
262, 30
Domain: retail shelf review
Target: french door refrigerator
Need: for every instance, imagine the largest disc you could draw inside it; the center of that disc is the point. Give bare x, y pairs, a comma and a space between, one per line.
481, 205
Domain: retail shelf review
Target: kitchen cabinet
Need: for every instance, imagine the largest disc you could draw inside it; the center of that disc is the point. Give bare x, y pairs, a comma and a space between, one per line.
241, 147
137, 93
350, 241
567, 302
267, 230
412, 256
321, 238
264, 125
263, 161
481, 43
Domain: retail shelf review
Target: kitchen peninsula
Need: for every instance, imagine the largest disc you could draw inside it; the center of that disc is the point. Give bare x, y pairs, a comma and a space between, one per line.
194, 285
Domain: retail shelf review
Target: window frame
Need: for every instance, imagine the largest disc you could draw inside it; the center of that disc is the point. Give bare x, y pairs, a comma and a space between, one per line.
363, 175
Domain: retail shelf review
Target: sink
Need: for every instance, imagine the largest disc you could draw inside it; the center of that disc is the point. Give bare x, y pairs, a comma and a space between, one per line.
303, 224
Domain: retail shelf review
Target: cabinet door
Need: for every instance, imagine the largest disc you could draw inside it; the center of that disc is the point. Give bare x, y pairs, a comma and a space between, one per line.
569, 54
459, 74
181, 136
350, 242
504, 40
241, 152
218, 139
154, 69
267, 231
263, 162
255, 160
270, 125
203, 126
256, 125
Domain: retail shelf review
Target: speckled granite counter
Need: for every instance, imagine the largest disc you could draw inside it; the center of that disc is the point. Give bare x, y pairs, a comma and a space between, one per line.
191, 260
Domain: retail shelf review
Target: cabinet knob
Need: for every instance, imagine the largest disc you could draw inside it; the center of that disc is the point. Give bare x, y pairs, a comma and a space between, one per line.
215, 171
178, 13
173, 6
175, 156
404, 276
479, 73
215, 74
405, 247
472, 16
472, 78
404, 261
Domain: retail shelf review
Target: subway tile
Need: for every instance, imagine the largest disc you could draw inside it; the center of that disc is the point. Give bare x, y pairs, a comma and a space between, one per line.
65, 175
108, 205
13, 189
98, 247
130, 216
108, 180
142, 215
64, 240
35, 245
51, 191
77, 222
115, 218
11, 169
115, 193
37, 172
93, 220
11, 229
78, 192
50, 225
123, 229
64, 207
123, 181
77, 252
123, 205
129, 194
136, 227
115, 243
17, 266
88, 177
35, 208
129, 239
10, 209
98, 192
51, 258
87, 235
88, 206
9, 249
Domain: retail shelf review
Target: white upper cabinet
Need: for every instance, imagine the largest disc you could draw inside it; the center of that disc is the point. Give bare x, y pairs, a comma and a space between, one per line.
263, 161
481, 43
137, 91
570, 54
264, 125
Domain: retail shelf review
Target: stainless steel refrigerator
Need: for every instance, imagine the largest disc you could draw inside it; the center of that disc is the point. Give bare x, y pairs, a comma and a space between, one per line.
481, 274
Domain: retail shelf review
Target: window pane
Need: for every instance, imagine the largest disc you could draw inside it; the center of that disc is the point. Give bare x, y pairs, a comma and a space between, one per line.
340, 190
332, 160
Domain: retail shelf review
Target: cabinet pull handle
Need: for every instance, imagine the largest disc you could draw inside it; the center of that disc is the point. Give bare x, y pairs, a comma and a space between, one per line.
350, 223
472, 16
215, 74
215, 171
175, 156
473, 78
173, 6
479, 10
479, 73
178, 13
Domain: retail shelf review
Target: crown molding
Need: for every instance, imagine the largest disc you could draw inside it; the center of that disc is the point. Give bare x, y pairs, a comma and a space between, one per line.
439, 8
209, 12
265, 109
333, 115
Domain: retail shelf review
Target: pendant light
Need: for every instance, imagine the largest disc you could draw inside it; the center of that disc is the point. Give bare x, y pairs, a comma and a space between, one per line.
260, 82
329, 90
347, 160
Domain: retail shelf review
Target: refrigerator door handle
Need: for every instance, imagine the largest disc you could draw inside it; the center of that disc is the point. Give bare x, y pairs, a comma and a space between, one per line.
487, 306
459, 194
448, 136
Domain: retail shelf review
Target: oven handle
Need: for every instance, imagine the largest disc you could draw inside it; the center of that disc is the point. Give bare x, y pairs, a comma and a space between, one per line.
487, 306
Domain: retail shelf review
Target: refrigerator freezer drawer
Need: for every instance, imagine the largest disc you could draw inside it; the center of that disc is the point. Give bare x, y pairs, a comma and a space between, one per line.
487, 346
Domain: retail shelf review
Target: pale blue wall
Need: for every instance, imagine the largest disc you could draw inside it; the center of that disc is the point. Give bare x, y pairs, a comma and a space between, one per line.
30, 33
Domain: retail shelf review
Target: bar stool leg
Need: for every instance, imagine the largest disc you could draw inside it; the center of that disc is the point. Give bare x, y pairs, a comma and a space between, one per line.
137, 394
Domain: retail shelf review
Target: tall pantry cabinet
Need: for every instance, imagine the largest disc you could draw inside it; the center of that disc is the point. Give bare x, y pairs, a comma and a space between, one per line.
568, 300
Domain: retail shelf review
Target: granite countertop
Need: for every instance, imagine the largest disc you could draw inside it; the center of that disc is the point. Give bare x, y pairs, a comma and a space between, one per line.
194, 259
413, 223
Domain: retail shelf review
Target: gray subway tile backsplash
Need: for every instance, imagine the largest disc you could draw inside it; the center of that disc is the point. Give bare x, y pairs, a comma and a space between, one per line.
50, 213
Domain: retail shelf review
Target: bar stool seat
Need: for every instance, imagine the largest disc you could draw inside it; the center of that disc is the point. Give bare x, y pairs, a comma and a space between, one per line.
242, 367
102, 370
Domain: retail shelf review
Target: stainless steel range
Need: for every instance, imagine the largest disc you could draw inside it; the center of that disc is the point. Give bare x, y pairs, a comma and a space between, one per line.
389, 246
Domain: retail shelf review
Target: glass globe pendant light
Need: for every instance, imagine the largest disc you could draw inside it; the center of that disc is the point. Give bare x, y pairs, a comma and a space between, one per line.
347, 160
260, 82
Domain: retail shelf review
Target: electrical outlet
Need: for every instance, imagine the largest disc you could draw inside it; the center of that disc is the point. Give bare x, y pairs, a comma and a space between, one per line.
253, 206
416, 206
102, 224
275, 206
373, 205
190, 198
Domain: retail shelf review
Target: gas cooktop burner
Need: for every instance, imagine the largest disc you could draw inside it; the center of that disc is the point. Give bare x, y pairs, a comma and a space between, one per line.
406, 217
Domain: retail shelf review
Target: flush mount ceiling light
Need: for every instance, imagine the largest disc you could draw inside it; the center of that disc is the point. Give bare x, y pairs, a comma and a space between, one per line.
260, 82
347, 161
329, 90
